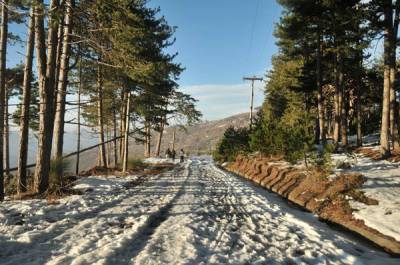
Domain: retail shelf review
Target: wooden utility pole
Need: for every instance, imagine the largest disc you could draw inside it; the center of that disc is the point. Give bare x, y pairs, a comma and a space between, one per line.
252, 79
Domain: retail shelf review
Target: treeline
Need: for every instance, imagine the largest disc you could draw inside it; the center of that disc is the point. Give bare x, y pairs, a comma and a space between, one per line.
100, 64
326, 82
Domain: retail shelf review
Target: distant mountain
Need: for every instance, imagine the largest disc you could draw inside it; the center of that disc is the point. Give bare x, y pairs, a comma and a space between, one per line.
197, 139
201, 137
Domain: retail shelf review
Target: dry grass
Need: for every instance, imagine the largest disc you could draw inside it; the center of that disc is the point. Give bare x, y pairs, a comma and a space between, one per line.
376, 155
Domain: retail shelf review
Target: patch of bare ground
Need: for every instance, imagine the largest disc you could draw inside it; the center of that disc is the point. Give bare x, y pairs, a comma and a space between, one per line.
312, 189
376, 155
145, 169
53, 194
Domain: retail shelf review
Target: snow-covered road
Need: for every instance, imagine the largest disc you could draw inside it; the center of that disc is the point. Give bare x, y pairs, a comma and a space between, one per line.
196, 214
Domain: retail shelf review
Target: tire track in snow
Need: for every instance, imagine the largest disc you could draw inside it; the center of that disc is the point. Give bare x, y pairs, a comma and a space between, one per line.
222, 219
45, 243
139, 208
132, 248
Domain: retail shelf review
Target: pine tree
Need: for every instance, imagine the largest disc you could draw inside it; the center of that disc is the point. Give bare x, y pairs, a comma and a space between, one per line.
3, 53
25, 107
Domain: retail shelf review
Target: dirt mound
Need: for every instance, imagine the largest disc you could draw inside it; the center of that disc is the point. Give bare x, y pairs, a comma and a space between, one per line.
327, 196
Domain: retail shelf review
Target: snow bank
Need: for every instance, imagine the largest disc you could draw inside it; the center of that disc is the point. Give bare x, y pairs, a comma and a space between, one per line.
160, 160
383, 185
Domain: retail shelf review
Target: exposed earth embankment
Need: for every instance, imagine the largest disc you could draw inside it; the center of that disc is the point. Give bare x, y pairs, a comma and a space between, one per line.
325, 195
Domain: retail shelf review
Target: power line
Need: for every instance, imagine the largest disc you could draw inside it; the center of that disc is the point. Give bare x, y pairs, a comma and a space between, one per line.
250, 47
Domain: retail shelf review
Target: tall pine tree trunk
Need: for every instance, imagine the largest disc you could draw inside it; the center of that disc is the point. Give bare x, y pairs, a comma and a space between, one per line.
108, 146
6, 138
147, 151
320, 97
3, 54
160, 135
394, 131
78, 142
394, 111
358, 101
337, 102
126, 133
60, 41
385, 124
343, 107
62, 85
115, 137
173, 139
46, 72
100, 114
122, 124
26, 97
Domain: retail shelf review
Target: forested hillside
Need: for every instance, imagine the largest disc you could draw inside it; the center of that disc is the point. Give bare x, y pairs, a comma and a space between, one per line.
335, 75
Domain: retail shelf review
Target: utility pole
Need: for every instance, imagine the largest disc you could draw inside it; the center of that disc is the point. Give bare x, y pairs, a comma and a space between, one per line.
252, 79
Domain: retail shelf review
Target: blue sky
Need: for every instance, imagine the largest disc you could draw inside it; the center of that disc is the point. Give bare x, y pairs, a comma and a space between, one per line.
220, 41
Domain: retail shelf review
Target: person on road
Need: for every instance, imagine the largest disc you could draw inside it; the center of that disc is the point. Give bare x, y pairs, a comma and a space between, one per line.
173, 154
168, 153
182, 156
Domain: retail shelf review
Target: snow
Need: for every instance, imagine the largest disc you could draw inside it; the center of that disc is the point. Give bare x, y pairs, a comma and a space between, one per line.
160, 160
195, 214
383, 185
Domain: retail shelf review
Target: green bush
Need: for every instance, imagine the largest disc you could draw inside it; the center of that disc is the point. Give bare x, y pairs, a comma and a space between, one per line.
322, 158
11, 186
290, 136
135, 163
57, 169
233, 142
267, 137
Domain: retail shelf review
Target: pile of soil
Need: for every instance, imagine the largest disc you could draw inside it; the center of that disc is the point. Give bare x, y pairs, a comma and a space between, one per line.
316, 191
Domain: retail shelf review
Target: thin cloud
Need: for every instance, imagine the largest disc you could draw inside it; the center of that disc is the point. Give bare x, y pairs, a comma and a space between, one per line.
220, 101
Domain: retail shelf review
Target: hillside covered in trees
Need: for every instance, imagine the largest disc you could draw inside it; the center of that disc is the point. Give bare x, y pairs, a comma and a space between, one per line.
330, 80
